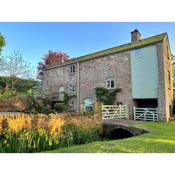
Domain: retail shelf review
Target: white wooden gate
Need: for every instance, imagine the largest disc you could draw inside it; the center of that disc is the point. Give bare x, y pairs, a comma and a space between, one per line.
114, 111
147, 114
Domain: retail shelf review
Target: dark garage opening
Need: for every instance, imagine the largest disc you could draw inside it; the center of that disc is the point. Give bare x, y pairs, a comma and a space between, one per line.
120, 133
146, 103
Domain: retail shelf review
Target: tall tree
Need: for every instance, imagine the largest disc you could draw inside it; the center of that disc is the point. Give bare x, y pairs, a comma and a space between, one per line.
14, 67
2, 44
52, 58
2, 41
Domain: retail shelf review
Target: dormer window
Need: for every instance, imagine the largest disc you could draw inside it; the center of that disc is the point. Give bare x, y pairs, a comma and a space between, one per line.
72, 69
110, 83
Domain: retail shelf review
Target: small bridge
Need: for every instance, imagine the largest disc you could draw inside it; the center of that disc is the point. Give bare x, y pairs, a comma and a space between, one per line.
121, 128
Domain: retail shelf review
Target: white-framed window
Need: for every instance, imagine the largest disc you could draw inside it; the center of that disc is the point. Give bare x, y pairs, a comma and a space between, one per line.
72, 88
61, 93
110, 84
72, 69
88, 104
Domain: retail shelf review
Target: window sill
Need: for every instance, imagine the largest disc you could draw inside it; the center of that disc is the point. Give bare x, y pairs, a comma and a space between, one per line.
72, 92
71, 105
111, 88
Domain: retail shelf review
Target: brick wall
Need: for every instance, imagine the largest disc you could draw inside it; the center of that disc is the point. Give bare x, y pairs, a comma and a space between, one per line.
165, 88
94, 73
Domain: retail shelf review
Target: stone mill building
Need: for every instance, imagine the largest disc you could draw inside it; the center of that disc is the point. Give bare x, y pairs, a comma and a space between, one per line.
141, 69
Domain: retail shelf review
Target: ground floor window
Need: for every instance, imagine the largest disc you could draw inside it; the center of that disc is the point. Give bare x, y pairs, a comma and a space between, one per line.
71, 102
61, 93
88, 105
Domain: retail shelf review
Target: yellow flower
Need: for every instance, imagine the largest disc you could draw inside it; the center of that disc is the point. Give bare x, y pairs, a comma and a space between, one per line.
5, 141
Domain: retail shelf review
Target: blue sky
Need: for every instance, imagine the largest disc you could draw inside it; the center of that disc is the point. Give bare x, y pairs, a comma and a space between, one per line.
33, 40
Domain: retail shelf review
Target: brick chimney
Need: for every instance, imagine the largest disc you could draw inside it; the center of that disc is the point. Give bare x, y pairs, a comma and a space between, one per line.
135, 36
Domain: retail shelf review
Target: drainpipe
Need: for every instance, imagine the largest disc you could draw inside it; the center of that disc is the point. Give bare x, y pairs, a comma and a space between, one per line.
78, 87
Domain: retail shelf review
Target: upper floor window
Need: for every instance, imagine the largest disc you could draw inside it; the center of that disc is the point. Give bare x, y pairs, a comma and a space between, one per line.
71, 88
110, 84
72, 69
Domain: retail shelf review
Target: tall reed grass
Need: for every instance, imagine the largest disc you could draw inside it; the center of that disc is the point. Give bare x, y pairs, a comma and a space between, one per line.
37, 133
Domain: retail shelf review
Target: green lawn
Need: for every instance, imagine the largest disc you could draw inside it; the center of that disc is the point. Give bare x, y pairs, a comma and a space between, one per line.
161, 139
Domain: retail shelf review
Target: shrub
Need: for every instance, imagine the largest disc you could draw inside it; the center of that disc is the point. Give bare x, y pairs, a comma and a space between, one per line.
21, 85
28, 141
60, 107
76, 135
37, 134
44, 105
39, 105
38, 140
106, 96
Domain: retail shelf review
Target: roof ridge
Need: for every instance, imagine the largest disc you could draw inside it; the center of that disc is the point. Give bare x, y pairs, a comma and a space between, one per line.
112, 50
130, 43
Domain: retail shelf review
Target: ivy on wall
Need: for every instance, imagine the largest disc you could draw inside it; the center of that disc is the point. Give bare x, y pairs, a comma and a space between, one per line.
106, 96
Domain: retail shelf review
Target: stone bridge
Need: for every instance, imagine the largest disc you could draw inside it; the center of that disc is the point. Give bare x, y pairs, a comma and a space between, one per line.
116, 128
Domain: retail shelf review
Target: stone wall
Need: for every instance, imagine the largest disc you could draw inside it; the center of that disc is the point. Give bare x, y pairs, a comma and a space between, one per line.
168, 79
165, 90
53, 122
92, 74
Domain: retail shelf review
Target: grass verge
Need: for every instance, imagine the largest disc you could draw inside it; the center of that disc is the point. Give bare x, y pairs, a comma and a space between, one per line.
161, 139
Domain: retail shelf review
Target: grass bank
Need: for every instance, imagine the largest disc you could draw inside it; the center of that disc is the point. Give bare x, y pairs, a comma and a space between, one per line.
160, 139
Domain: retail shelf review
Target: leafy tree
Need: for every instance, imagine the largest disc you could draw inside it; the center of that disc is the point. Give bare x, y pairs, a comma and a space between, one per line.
2, 44
2, 41
14, 66
52, 58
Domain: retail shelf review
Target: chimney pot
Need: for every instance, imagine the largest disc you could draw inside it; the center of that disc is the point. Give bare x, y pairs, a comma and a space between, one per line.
135, 36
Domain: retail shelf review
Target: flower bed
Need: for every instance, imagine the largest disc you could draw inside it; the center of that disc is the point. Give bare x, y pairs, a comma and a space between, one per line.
36, 133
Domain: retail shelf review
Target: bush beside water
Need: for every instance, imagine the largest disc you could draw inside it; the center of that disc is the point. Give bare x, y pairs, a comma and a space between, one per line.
40, 140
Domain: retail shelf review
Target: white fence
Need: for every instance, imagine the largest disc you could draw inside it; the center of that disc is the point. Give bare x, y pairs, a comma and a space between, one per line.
147, 114
114, 111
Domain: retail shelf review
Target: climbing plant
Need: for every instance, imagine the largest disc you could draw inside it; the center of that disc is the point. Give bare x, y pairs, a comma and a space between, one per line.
106, 96
63, 107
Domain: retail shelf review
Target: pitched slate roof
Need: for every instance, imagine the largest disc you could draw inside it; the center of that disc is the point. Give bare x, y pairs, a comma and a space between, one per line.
129, 46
